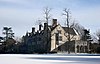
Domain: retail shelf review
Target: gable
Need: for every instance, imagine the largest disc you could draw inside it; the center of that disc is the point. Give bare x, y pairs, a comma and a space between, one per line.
57, 28
71, 30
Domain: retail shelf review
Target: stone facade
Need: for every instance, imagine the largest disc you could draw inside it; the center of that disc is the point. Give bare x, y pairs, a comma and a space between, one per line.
54, 38
61, 43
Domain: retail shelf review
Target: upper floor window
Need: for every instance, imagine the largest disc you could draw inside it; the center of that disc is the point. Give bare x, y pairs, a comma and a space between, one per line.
57, 37
60, 38
59, 31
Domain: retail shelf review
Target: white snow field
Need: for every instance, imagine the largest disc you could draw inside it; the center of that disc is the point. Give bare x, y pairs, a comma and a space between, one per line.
49, 59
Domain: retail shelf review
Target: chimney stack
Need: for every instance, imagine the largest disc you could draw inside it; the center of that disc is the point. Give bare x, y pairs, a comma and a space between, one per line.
45, 26
33, 29
54, 22
40, 27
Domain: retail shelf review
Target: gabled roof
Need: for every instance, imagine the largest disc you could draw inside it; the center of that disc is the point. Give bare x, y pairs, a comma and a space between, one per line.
71, 30
52, 28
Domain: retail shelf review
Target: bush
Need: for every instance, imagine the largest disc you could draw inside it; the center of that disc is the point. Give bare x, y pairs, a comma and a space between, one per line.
98, 50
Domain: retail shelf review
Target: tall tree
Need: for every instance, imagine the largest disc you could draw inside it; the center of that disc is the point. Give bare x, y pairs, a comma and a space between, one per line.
8, 39
66, 13
47, 11
8, 32
80, 29
47, 17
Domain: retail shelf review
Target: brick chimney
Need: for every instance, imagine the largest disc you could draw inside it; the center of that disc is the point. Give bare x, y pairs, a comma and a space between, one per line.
45, 26
33, 29
54, 22
40, 27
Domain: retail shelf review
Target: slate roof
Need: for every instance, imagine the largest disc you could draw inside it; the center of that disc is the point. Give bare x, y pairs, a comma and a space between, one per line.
71, 30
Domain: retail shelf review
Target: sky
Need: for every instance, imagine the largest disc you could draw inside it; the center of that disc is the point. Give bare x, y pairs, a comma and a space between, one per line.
22, 15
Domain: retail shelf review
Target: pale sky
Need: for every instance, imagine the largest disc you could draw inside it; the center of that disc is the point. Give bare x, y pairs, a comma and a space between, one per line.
22, 15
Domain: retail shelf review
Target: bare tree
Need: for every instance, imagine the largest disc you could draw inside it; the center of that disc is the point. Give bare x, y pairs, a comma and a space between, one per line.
47, 13
47, 17
18, 39
68, 22
98, 32
79, 28
94, 38
98, 35
38, 21
66, 13
76, 26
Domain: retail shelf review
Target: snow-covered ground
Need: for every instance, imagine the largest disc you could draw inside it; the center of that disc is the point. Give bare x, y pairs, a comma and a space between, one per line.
49, 59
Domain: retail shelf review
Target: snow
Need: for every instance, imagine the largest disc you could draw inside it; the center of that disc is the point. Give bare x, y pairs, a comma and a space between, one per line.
48, 59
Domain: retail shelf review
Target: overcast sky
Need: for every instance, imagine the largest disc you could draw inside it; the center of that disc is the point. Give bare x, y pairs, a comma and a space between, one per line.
22, 15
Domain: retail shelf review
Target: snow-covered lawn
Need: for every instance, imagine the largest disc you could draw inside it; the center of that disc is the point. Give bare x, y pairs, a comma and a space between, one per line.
48, 59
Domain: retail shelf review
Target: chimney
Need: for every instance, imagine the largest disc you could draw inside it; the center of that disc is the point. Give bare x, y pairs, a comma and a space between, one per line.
33, 29
40, 27
45, 26
54, 22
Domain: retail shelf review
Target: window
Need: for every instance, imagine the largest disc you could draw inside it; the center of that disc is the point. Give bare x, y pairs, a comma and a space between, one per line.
60, 38
59, 31
57, 37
